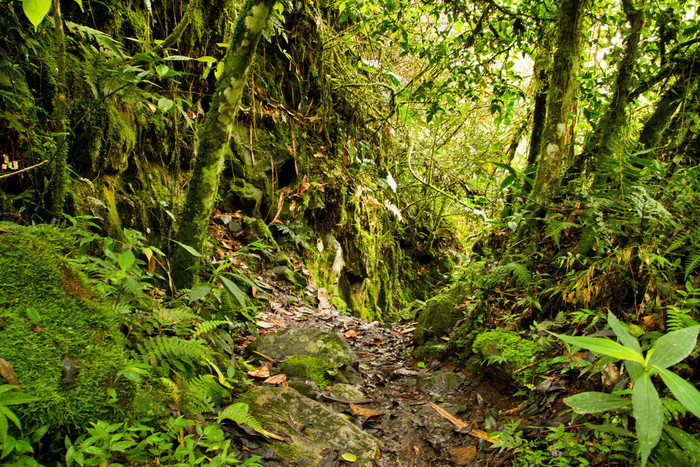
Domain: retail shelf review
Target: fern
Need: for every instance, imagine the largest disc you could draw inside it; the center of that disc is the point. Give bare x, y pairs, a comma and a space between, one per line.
238, 413
205, 393
189, 351
205, 327
555, 227
691, 264
520, 272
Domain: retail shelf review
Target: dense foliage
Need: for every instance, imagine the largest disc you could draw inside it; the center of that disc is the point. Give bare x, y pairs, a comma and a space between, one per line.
535, 162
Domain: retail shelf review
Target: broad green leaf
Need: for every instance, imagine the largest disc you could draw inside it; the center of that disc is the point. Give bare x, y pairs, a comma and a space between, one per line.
33, 315
687, 443
349, 457
11, 415
233, 289
199, 291
165, 104
623, 334
682, 390
36, 10
14, 398
594, 402
126, 260
3, 427
189, 249
673, 347
604, 346
206, 59
8, 446
648, 412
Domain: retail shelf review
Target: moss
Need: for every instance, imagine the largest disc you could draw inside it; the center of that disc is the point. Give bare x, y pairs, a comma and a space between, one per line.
69, 356
440, 314
316, 369
514, 352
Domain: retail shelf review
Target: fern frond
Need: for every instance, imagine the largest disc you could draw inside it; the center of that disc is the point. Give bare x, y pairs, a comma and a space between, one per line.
555, 227
692, 262
162, 347
520, 272
238, 413
205, 393
205, 327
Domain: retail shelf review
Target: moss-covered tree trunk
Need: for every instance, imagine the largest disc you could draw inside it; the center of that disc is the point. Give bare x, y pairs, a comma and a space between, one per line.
214, 137
560, 95
665, 108
60, 169
614, 119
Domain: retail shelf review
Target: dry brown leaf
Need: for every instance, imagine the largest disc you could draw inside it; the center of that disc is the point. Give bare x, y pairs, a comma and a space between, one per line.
263, 371
277, 379
477, 433
8, 373
463, 456
351, 334
254, 291
264, 324
357, 410
278, 322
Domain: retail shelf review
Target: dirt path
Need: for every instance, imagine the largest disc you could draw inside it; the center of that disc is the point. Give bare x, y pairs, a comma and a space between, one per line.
438, 425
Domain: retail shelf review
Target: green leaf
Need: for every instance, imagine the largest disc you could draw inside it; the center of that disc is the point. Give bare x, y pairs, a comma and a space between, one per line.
604, 346
36, 10
3, 427
673, 347
594, 402
682, 390
33, 315
349, 457
206, 59
189, 249
623, 334
233, 289
80, 4
11, 415
126, 260
199, 291
687, 443
14, 398
648, 412
616, 430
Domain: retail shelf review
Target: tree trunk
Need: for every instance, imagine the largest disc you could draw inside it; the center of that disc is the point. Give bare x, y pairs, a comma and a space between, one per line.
560, 96
60, 169
614, 119
214, 138
665, 108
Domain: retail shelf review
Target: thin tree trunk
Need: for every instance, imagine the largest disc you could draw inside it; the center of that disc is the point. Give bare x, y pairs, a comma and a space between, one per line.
214, 138
560, 95
665, 108
615, 118
60, 171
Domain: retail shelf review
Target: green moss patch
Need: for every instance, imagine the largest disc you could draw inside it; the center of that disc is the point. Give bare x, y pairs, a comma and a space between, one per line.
522, 358
316, 369
63, 342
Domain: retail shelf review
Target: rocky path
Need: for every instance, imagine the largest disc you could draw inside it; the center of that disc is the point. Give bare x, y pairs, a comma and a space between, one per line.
422, 416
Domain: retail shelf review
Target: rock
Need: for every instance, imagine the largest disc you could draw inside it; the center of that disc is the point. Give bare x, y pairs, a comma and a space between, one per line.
318, 356
439, 383
306, 343
347, 392
311, 429
440, 314
223, 219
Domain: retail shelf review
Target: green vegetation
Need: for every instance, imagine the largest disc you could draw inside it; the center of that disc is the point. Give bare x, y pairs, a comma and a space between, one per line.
508, 173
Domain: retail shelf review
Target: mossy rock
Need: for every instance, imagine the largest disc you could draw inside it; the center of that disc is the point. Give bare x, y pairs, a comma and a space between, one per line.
440, 314
514, 353
308, 342
316, 433
62, 340
317, 369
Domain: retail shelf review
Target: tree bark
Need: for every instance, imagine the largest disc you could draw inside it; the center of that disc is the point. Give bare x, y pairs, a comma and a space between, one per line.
60, 169
560, 95
614, 119
665, 108
214, 138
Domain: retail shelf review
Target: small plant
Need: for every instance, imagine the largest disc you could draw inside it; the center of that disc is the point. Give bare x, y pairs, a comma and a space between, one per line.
11, 445
647, 407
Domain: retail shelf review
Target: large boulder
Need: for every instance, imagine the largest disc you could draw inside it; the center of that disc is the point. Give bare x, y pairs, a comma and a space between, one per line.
311, 354
314, 435
440, 314
59, 335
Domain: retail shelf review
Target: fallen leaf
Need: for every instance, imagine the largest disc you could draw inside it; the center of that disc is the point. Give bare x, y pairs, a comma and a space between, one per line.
278, 322
477, 433
254, 291
349, 457
264, 324
263, 371
324, 301
463, 456
8, 373
407, 330
277, 379
351, 334
356, 410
